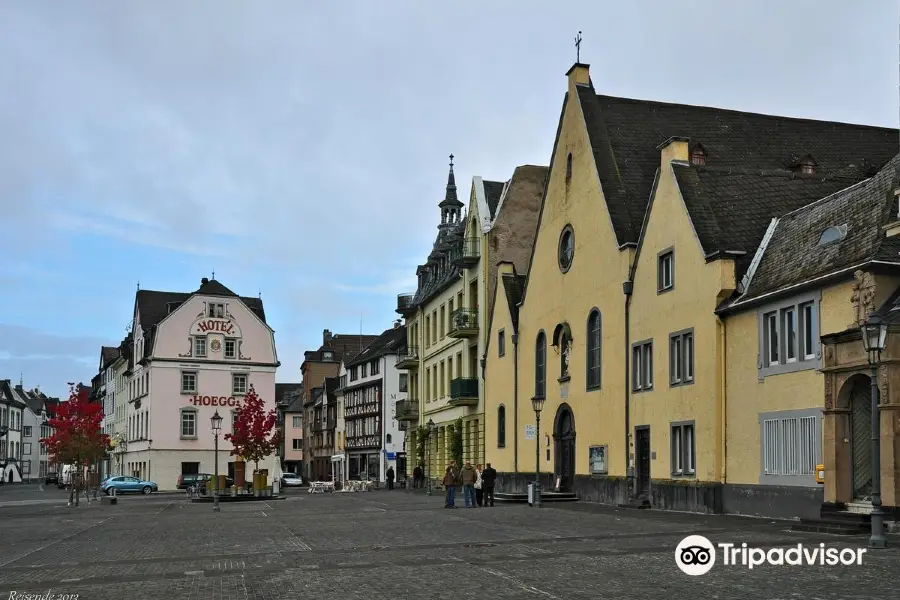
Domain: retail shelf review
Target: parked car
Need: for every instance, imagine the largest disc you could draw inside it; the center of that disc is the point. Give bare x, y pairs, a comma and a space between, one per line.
124, 484
291, 480
51, 477
201, 479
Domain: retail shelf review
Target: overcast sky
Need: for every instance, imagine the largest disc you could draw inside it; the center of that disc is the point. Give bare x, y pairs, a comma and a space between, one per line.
299, 149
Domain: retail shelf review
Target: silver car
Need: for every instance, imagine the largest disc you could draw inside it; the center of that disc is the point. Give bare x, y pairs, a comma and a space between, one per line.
291, 480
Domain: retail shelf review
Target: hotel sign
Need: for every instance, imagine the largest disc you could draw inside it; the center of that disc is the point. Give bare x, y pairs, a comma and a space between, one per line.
214, 401
204, 326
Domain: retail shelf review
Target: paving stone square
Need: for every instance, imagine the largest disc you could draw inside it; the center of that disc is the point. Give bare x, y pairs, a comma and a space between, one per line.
405, 545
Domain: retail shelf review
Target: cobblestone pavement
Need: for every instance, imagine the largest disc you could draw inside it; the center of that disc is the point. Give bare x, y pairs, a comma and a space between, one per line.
402, 545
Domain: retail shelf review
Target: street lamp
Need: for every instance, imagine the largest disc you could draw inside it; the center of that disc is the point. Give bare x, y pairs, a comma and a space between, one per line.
431, 428
874, 335
537, 403
216, 422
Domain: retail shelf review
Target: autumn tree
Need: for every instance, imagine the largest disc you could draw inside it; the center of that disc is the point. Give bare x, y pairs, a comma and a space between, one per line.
253, 437
77, 438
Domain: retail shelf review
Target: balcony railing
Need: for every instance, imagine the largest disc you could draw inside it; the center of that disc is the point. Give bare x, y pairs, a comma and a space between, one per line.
463, 323
464, 391
408, 358
469, 253
407, 410
405, 305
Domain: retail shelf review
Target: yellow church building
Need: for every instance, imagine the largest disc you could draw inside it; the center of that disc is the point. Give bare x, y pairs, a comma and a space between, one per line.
637, 322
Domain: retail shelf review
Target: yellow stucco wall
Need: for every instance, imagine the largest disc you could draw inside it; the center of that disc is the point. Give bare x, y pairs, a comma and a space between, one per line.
498, 384
594, 280
748, 396
690, 304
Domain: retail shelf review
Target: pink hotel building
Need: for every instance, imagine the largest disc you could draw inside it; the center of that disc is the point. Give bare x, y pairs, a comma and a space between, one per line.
194, 354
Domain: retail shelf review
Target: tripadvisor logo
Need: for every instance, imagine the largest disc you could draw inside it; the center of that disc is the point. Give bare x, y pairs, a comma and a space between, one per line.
696, 555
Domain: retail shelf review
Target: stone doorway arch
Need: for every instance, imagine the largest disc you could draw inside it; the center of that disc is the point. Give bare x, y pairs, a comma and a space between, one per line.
564, 443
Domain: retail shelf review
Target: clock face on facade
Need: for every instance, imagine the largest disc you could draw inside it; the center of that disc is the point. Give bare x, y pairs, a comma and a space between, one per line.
215, 345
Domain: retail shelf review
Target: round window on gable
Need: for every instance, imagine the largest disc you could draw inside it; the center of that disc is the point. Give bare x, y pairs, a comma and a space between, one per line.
566, 248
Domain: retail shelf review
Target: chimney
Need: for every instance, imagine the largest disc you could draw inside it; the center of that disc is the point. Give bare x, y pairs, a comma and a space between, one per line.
397, 324
204, 281
326, 337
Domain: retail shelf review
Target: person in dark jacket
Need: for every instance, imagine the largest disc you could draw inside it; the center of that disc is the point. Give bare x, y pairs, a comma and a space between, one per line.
451, 478
418, 476
488, 479
390, 477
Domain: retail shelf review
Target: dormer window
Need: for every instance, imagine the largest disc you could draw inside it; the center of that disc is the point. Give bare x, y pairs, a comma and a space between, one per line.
833, 234
698, 156
217, 310
326, 355
806, 165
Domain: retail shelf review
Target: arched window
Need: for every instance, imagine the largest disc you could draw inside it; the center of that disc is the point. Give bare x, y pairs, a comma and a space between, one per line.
540, 366
501, 427
593, 350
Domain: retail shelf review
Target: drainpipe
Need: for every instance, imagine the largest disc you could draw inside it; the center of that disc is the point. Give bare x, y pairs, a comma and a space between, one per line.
515, 342
627, 288
722, 403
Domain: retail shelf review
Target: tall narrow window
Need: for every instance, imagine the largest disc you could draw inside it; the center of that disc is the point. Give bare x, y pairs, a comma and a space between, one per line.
771, 320
809, 331
540, 366
501, 427
593, 350
681, 357
642, 366
790, 334
665, 273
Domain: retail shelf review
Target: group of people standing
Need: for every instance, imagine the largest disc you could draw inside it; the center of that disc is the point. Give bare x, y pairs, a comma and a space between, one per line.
477, 483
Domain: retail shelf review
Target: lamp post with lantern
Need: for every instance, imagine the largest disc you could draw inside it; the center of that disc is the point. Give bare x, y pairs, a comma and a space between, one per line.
537, 403
431, 427
216, 423
874, 335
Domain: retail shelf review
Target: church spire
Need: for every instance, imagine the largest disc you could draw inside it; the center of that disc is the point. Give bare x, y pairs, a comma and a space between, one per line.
450, 206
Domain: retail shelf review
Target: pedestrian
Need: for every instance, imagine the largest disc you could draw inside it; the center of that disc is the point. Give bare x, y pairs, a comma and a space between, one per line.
449, 482
390, 477
469, 477
488, 479
418, 476
479, 492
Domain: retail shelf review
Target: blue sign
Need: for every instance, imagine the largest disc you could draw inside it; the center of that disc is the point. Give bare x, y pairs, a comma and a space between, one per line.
391, 455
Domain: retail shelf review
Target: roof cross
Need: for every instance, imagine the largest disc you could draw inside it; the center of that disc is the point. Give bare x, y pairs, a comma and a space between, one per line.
578, 47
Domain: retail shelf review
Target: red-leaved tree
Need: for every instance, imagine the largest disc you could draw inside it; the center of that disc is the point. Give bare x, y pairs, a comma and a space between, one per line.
77, 438
253, 438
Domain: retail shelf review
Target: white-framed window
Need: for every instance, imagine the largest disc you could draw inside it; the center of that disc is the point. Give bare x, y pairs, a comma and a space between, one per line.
681, 357
230, 348
791, 446
665, 275
297, 444
642, 366
200, 347
217, 310
188, 423
297, 421
27, 431
189, 382
789, 336
683, 449
26, 448
238, 384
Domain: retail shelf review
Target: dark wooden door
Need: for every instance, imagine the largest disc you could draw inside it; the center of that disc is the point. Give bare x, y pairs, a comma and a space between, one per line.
643, 462
565, 450
861, 432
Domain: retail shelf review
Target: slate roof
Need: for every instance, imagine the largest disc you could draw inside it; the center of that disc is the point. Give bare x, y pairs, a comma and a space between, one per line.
493, 190
793, 255
389, 342
731, 208
625, 133
154, 306
346, 346
289, 396
108, 354
10, 396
